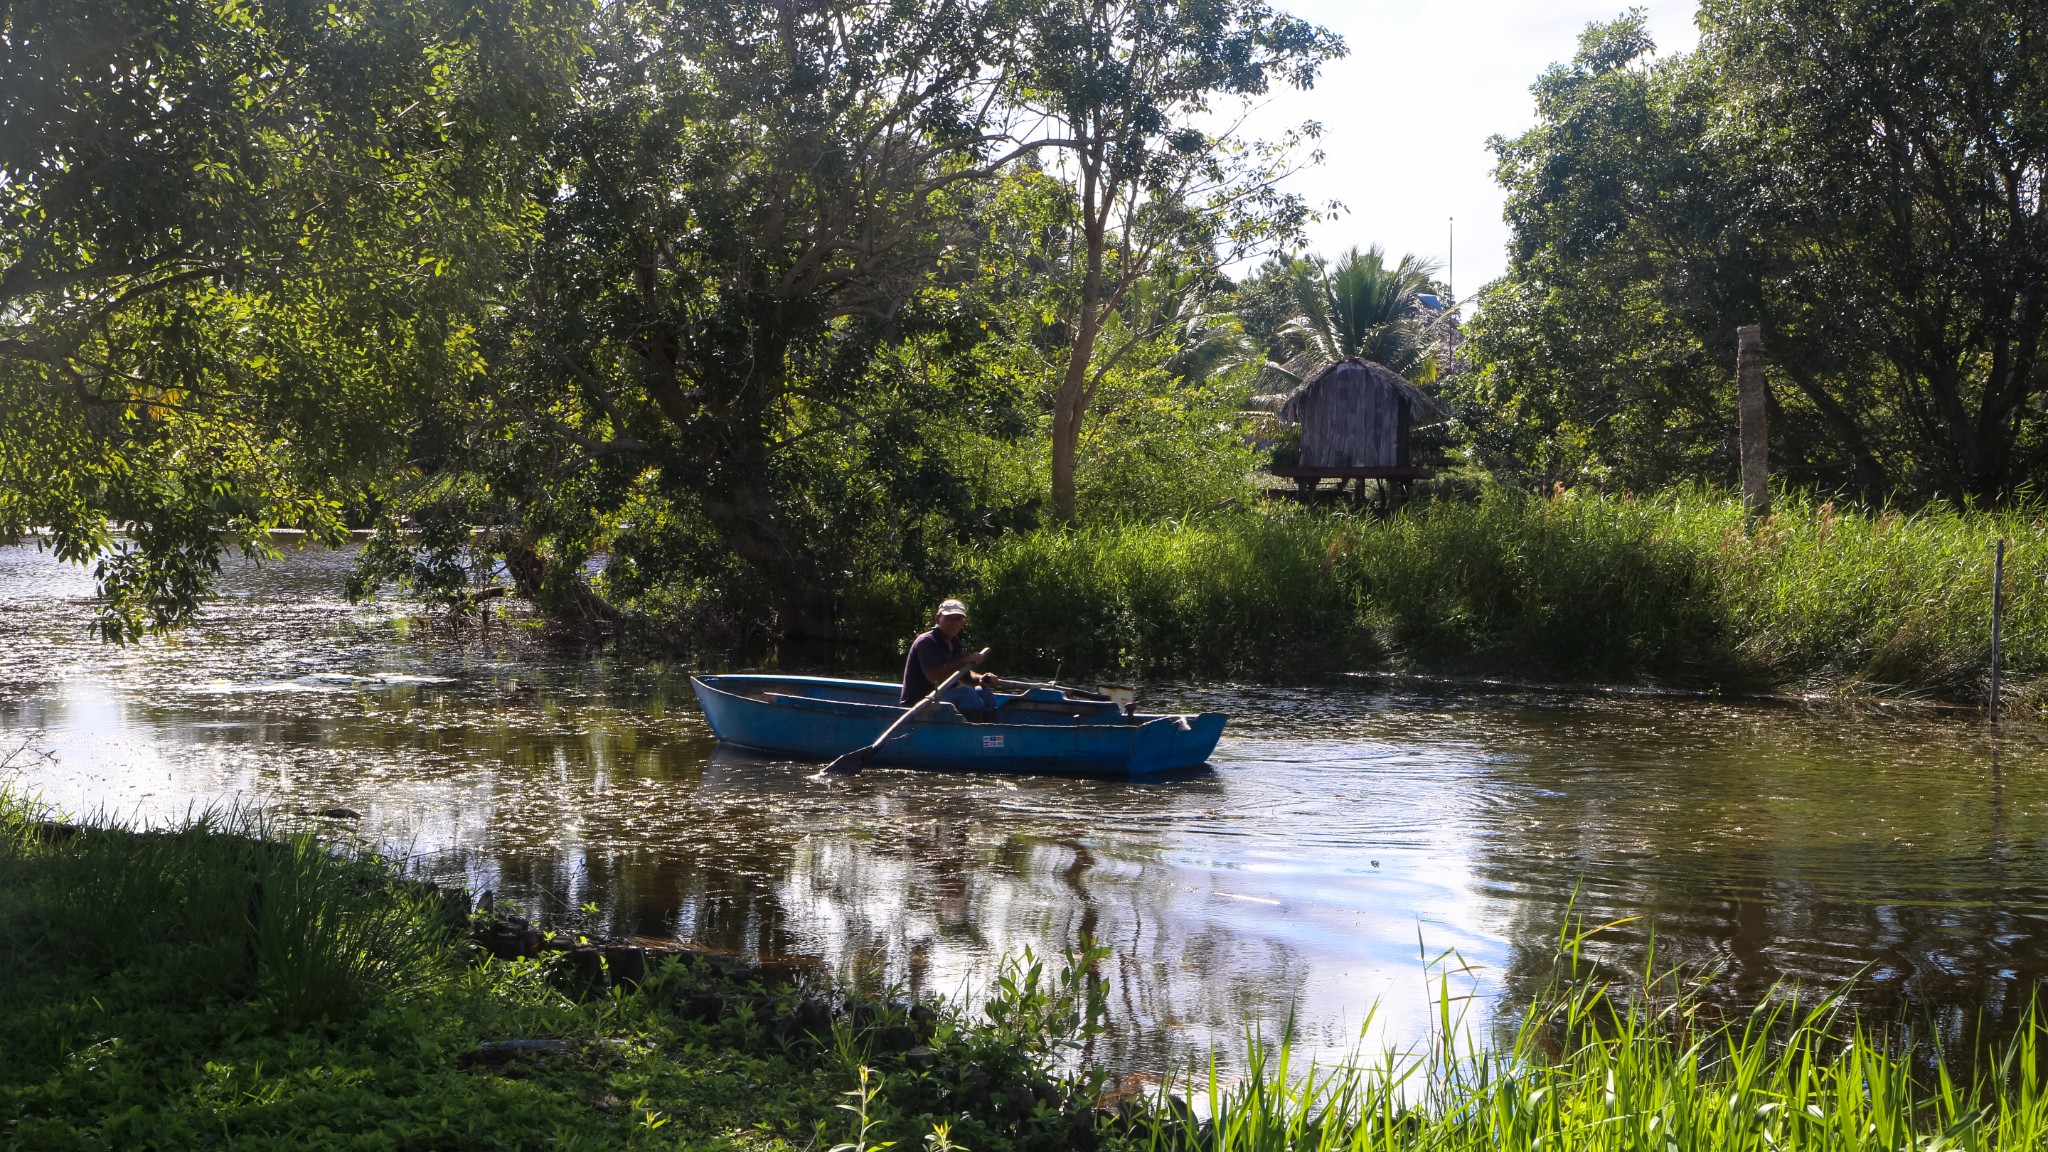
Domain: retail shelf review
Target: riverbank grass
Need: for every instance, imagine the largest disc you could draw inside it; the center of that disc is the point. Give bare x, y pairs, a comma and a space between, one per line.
1679, 588
196, 989
213, 987
1590, 1071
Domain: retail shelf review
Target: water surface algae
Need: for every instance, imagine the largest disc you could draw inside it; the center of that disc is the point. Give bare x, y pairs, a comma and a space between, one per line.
219, 986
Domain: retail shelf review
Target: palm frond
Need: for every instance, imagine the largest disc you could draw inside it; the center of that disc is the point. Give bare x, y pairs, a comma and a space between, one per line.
1362, 306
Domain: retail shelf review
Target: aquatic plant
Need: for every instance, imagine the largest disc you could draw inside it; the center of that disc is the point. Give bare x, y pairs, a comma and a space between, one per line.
1593, 1071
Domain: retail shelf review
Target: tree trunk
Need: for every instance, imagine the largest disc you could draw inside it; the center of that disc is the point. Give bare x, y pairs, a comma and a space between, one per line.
742, 505
1069, 412
1070, 403
1065, 446
562, 595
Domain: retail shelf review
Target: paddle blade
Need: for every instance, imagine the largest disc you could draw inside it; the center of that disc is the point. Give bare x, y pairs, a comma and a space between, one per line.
850, 763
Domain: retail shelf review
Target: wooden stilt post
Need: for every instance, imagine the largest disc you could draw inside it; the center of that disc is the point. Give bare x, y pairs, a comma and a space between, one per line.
1997, 620
1754, 430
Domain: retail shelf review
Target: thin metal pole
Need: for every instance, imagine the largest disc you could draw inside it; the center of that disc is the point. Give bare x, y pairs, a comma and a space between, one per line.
1997, 619
1451, 276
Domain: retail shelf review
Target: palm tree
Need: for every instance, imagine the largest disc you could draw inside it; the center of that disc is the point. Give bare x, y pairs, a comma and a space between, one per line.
1361, 307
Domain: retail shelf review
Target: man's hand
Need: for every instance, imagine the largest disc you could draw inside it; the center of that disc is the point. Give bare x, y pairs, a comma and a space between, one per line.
968, 662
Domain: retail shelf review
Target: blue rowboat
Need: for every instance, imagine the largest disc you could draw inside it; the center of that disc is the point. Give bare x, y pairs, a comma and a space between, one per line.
1042, 730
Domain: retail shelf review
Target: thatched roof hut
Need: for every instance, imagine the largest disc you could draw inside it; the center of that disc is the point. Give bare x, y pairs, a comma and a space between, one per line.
1356, 414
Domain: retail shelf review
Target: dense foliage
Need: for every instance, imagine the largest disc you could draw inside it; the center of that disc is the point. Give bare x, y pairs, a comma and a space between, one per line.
735, 330
753, 306
241, 250
1863, 178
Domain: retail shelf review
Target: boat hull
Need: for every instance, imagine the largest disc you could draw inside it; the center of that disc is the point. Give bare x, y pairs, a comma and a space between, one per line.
820, 718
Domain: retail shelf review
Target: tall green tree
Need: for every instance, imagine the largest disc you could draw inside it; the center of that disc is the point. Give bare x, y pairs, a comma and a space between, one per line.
240, 244
737, 217
753, 232
1598, 355
1860, 177
1903, 149
1121, 88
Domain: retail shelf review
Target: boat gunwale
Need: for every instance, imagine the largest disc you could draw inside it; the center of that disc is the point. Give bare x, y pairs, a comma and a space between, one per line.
1131, 723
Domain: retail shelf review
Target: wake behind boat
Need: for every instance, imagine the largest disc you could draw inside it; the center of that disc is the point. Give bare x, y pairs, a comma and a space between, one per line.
1043, 729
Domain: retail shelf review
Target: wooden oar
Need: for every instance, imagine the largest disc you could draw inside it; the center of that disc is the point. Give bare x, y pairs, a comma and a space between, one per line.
1121, 695
1075, 691
857, 759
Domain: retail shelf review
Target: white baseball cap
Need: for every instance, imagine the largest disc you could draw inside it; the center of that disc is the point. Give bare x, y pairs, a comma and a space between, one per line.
952, 608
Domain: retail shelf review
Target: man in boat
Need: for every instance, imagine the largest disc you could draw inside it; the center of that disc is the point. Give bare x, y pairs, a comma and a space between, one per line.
939, 653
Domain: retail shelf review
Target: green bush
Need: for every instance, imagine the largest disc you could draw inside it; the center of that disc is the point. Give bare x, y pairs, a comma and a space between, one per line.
1222, 595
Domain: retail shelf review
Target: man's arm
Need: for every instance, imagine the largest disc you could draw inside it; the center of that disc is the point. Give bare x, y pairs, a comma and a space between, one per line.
937, 673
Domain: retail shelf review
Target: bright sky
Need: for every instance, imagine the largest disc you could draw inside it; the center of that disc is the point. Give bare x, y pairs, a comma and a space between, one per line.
1406, 116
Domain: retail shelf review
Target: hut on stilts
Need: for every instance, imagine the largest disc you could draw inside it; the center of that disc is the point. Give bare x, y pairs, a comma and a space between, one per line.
1355, 417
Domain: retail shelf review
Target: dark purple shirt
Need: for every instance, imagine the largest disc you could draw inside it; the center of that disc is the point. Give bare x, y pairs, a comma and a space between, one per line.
927, 652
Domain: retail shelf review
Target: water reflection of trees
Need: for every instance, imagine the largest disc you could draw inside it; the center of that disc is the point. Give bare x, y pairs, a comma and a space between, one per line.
919, 880
926, 885
1771, 844
560, 777
1808, 852
567, 796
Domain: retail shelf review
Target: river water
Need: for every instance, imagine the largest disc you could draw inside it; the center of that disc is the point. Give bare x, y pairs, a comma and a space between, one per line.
1354, 842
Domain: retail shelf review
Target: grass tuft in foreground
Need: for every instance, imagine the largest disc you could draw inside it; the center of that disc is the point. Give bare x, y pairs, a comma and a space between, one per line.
1590, 1073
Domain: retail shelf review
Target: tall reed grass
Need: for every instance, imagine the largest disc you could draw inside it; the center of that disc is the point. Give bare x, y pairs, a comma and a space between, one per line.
1678, 588
1592, 1073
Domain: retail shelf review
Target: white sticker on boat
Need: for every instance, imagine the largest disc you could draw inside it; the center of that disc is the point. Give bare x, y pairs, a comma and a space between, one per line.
992, 741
